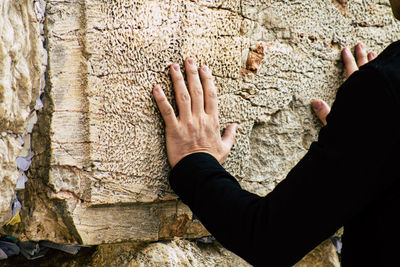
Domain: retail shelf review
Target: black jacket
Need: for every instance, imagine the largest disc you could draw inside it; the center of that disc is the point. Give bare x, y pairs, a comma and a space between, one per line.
349, 177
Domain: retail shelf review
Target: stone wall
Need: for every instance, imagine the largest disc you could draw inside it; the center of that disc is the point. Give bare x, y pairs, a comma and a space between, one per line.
99, 171
21, 59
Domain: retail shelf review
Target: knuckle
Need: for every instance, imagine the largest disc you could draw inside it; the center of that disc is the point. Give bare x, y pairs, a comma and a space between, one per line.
178, 78
168, 112
208, 77
162, 101
184, 97
190, 125
192, 71
197, 91
212, 93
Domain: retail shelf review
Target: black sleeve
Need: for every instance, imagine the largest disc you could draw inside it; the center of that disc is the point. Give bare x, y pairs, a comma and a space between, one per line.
339, 177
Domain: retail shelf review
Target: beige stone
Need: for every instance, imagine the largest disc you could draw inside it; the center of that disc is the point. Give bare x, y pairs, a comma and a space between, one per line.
106, 144
188, 253
173, 253
21, 58
322, 256
176, 252
100, 174
185, 253
9, 149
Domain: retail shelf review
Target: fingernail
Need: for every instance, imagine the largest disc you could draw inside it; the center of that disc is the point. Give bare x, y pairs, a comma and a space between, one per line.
190, 61
316, 105
204, 68
360, 45
175, 67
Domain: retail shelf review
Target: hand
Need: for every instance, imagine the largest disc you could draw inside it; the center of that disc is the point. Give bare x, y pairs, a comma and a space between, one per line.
197, 128
319, 106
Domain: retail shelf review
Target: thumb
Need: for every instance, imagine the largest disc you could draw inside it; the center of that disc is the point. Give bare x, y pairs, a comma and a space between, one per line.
229, 135
321, 109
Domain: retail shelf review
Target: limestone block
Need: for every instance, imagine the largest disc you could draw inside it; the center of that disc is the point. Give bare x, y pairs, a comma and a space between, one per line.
101, 170
180, 252
20, 63
322, 256
173, 253
21, 60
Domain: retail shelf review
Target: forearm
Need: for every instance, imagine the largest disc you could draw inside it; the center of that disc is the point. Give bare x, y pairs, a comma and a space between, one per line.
339, 177
263, 230
217, 199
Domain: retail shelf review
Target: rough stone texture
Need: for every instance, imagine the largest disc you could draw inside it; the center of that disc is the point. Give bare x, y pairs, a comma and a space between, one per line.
173, 253
185, 253
176, 252
100, 173
322, 256
20, 72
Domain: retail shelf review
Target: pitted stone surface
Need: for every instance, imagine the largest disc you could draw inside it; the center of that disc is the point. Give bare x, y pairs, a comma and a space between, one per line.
20, 72
102, 163
133, 55
172, 253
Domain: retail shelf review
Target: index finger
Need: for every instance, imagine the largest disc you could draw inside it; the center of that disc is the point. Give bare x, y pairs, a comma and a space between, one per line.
166, 110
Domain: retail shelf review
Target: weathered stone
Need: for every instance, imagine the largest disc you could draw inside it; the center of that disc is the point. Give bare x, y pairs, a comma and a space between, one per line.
106, 135
100, 171
322, 256
20, 72
185, 253
173, 253
176, 252
9, 149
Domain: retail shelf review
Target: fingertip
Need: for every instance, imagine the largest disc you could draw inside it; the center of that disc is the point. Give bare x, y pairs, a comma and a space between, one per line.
174, 66
349, 61
371, 56
232, 128
360, 49
346, 54
157, 90
190, 61
230, 132
204, 69
316, 104
321, 109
